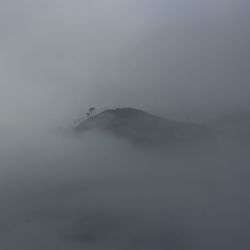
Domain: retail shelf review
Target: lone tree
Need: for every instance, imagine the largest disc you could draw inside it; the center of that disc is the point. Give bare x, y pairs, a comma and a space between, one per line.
91, 111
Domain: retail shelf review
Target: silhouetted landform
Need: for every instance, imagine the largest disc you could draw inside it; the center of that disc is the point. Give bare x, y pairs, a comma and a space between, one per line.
143, 128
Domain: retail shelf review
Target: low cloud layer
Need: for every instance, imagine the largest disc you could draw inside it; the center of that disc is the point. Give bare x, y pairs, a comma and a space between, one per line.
102, 193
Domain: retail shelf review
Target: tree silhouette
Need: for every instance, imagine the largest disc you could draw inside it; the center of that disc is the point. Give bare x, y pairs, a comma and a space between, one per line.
91, 111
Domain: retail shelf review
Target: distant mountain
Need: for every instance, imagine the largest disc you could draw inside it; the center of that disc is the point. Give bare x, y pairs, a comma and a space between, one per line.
143, 128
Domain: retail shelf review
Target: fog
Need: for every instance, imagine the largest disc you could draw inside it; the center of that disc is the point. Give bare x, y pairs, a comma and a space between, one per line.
182, 60
99, 192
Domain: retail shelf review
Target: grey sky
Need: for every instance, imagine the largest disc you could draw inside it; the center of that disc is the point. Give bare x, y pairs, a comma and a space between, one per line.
174, 57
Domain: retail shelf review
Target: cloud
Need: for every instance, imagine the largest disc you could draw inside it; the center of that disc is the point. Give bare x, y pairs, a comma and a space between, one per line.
180, 59
101, 193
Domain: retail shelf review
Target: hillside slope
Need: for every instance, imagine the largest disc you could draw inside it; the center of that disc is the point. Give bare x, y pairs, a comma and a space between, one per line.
143, 128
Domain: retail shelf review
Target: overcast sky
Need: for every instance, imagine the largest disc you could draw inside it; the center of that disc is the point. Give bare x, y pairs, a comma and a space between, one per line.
177, 58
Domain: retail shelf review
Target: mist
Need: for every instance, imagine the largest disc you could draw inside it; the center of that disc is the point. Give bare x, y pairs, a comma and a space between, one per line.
180, 59
186, 61
100, 192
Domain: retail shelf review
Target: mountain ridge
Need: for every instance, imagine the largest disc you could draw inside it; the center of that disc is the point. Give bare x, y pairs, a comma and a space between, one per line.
142, 128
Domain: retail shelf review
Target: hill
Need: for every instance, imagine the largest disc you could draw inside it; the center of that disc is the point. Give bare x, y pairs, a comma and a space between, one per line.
143, 128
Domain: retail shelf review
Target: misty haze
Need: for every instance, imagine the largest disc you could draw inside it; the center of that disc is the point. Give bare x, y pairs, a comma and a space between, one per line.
124, 125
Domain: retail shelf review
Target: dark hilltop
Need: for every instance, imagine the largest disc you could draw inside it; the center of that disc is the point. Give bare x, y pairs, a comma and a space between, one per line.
143, 128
